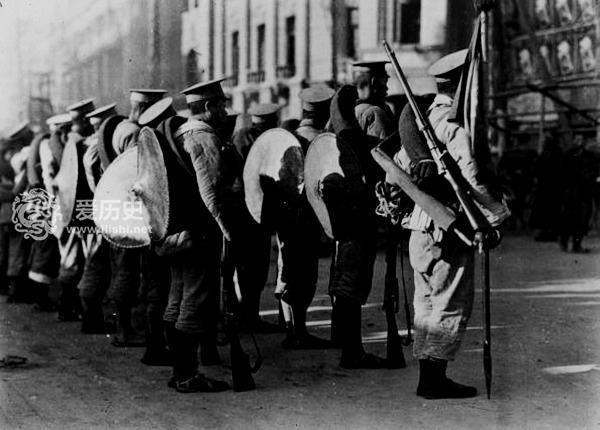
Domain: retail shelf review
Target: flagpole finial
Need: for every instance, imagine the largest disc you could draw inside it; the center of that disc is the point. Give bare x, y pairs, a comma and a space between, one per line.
484, 5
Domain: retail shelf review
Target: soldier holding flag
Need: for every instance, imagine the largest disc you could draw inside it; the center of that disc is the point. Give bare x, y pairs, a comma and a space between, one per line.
443, 265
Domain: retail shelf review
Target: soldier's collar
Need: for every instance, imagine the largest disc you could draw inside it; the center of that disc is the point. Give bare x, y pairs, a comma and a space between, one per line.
306, 122
442, 99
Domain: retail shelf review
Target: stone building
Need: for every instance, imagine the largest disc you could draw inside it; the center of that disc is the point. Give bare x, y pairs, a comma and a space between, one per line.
269, 49
103, 47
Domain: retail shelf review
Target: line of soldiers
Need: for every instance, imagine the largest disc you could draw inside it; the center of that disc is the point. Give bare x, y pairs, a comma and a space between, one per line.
166, 294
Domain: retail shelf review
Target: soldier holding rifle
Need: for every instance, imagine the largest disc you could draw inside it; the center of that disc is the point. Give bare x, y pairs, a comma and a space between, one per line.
443, 264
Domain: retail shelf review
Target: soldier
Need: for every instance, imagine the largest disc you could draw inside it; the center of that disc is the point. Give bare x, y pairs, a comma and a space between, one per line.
71, 243
352, 266
44, 256
442, 264
374, 116
126, 262
254, 259
579, 168
96, 276
264, 116
155, 268
125, 135
350, 283
51, 149
299, 233
193, 308
18, 247
7, 177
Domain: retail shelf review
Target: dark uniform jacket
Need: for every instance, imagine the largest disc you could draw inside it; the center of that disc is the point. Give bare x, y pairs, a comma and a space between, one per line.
244, 138
217, 172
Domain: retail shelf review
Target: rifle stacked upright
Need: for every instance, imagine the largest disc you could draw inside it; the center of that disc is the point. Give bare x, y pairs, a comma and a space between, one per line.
241, 371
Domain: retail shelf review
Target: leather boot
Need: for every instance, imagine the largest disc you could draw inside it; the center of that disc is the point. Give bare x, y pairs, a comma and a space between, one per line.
18, 291
353, 354
298, 337
209, 353
92, 317
156, 353
40, 294
69, 304
433, 383
184, 350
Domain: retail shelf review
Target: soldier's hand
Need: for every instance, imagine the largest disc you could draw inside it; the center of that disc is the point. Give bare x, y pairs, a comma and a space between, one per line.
424, 169
492, 238
390, 191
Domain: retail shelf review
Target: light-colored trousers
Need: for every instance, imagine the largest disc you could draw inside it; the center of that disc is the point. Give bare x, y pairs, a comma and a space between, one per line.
443, 276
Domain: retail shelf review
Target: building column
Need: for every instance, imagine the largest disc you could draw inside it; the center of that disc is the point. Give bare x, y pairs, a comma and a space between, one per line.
271, 42
245, 41
302, 39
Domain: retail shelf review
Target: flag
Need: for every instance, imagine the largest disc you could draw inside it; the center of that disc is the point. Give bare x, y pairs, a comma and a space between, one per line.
469, 107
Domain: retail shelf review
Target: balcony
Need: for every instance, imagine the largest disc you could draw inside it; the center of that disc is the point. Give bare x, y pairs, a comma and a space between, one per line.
256, 77
286, 72
231, 81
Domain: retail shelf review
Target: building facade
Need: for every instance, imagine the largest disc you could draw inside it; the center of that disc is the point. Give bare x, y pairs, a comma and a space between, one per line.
269, 49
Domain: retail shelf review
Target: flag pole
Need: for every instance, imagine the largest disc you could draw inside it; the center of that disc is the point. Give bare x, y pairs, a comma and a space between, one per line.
485, 74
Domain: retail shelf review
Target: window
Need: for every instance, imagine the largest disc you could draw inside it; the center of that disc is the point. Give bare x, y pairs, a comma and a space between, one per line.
192, 72
290, 44
381, 19
235, 54
260, 47
407, 21
352, 26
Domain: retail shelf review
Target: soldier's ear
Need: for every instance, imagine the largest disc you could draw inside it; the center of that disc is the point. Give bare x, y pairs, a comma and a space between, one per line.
207, 105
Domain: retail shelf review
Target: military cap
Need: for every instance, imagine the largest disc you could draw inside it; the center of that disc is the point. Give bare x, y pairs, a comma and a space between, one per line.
103, 112
146, 94
19, 131
314, 96
204, 91
449, 66
60, 119
263, 109
79, 109
374, 67
159, 111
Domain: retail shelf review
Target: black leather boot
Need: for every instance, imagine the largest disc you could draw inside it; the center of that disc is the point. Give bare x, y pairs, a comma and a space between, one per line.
156, 353
92, 318
433, 383
353, 354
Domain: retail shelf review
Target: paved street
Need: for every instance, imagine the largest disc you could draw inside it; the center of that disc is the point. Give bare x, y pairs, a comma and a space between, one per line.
546, 347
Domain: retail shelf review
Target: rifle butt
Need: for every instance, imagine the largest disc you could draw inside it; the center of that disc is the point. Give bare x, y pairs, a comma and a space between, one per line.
440, 214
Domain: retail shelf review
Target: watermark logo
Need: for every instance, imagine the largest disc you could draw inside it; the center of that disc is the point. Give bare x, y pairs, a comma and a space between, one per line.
32, 213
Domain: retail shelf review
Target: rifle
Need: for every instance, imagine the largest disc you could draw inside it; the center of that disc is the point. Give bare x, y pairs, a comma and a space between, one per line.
241, 371
395, 355
461, 188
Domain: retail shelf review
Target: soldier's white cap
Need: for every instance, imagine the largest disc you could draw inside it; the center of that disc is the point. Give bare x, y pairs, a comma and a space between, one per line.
262, 110
79, 109
162, 109
60, 119
204, 91
103, 112
373, 67
19, 131
146, 94
315, 96
449, 66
